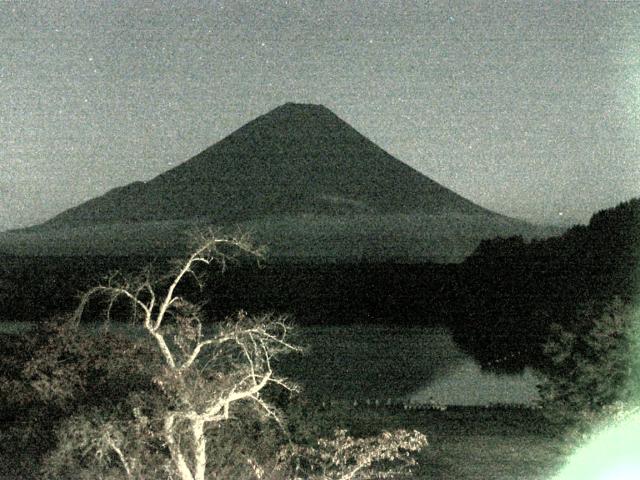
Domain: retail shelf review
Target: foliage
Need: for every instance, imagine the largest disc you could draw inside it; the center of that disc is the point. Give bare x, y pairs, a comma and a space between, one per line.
389, 455
593, 366
511, 290
59, 368
76, 365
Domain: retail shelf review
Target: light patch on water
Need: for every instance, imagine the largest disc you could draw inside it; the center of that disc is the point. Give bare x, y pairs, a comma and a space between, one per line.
466, 384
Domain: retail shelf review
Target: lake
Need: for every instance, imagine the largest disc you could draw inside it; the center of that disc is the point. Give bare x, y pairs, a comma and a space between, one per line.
359, 362
420, 364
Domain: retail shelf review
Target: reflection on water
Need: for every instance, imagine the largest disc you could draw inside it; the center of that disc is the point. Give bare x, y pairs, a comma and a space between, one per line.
466, 384
364, 361
360, 362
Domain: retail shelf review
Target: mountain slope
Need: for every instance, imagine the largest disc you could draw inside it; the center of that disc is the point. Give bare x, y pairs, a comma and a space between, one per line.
301, 181
294, 159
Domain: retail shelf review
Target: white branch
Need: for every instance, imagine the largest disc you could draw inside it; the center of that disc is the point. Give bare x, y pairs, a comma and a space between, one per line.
123, 460
174, 449
200, 445
234, 396
199, 346
164, 348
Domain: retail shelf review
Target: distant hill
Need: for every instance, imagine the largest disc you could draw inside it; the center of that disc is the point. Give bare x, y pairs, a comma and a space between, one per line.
301, 180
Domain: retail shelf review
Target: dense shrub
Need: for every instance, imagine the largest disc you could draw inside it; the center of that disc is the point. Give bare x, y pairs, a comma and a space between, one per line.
58, 368
592, 368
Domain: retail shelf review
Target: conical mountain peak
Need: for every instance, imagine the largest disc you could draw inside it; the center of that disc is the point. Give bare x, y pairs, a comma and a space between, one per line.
291, 109
301, 107
295, 159
301, 180
300, 117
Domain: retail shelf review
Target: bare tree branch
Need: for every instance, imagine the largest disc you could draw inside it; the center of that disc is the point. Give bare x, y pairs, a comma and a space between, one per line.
247, 345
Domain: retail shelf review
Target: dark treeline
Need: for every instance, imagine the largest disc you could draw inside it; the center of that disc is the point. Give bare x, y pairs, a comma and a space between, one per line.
498, 303
513, 290
388, 293
33, 289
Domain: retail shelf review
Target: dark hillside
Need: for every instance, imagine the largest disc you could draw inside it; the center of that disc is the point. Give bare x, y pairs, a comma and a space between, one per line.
513, 289
295, 159
339, 294
499, 302
33, 289
301, 181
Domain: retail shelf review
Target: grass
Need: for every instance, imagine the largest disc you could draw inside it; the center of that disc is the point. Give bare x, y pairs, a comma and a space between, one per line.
491, 445
15, 328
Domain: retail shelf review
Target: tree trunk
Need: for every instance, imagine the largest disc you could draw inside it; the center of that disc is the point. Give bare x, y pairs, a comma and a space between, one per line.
200, 446
174, 450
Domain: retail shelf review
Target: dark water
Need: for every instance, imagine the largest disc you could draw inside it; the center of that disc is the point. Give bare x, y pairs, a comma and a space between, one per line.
360, 362
423, 364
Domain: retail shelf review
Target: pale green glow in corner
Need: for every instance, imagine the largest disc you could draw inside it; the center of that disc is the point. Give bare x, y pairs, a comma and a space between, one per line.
614, 454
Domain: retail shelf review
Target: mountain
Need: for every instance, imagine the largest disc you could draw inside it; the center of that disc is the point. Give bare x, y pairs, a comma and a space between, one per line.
295, 159
299, 167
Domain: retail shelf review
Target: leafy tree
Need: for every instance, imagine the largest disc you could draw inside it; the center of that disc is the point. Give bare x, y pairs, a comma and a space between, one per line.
55, 370
593, 365
513, 290
344, 457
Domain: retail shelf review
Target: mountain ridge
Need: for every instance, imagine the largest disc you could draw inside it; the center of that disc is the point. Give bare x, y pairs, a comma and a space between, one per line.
287, 161
300, 178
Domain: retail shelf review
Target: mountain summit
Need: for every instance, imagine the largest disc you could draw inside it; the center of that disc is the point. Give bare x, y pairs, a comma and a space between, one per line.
300, 180
297, 158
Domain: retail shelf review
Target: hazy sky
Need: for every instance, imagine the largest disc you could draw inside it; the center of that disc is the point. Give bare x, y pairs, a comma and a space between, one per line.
528, 108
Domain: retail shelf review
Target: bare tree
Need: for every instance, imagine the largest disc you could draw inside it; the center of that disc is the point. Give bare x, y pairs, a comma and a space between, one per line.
205, 370
202, 376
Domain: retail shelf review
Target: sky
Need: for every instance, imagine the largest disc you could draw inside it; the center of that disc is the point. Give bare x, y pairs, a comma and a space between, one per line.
531, 109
